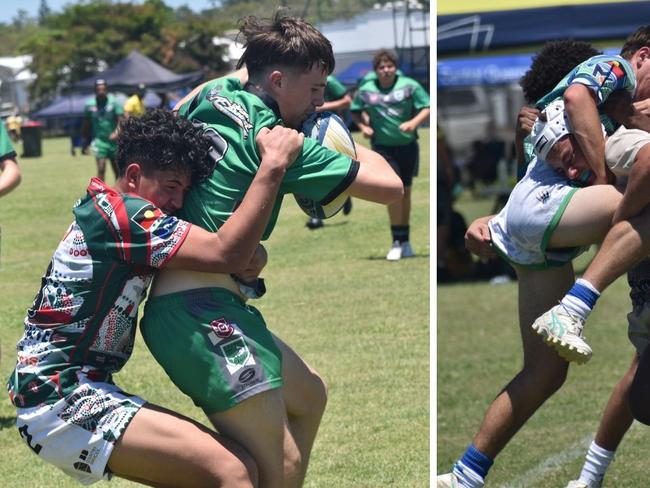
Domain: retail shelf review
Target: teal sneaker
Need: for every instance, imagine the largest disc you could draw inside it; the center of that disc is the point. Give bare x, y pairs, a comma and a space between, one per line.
563, 332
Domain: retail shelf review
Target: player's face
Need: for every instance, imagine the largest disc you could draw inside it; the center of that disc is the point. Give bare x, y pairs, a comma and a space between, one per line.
643, 74
300, 94
386, 72
568, 159
165, 189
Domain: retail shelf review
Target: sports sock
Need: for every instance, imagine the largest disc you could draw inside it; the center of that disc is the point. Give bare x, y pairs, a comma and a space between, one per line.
596, 465
400, 233
581, 299
472, 468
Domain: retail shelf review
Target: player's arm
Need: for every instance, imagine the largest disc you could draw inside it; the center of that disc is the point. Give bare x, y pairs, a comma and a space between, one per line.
339, 105
10, 177
363, 122
580, 105
376, 181
525, 121
231, 249
478, 240
415, 122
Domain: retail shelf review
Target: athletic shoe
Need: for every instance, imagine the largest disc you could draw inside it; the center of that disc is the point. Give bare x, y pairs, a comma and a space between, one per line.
347, 206
407, 251
395, 253
314, 223
563, 332
448, 480
580, 484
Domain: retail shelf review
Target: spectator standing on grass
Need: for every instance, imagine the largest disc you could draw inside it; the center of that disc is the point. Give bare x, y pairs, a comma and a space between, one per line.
337, 100
388, 108
134, 105
102, 115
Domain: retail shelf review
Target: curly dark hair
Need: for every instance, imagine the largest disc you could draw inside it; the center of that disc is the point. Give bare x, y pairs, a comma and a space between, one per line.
284, 41
159, 140
382, 55
552, 63
638, 39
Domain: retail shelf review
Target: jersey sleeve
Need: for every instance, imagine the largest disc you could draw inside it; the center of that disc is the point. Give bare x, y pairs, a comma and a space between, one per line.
141, 233
420, 97
119, 109
604, 76
335, 88
6, 149
319, 173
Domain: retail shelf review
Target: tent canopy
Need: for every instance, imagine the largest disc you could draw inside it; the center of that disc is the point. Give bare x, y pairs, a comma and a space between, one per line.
137, 69
73, 105
482, 31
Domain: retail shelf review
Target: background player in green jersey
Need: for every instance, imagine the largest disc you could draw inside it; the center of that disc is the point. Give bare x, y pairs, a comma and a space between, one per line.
10, 177
388, 108
337, 100
213, 345
102, 115
81, 328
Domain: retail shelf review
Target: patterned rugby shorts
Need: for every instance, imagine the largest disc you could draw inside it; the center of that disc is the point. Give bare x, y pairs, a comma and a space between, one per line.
77, 434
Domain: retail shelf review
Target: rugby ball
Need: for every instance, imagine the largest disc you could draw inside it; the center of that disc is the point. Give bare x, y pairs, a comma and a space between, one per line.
331, 132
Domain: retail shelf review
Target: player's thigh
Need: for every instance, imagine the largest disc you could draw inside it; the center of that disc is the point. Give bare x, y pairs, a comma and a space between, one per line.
304, 390
166, 448
587, 217
539, 290
260, 425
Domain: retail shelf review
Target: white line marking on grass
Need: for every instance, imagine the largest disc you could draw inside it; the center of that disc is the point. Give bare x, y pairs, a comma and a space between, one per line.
579, 449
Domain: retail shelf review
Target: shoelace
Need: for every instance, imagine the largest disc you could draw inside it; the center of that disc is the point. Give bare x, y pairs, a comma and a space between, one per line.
578, 322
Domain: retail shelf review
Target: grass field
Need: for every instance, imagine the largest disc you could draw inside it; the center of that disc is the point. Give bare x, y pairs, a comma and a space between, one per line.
478, 353
361, 321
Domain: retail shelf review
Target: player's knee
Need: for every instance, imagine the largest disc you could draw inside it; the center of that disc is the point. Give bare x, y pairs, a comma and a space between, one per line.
292, 463
548, 377
232, 471
318, 393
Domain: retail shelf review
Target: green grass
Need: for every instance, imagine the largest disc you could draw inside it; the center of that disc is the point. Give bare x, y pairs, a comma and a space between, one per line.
478, 353
361, 321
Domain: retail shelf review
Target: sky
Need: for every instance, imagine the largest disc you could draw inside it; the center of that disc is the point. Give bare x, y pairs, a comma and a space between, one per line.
8, 9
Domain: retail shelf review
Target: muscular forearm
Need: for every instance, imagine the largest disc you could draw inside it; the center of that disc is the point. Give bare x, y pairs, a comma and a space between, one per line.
336, 105
421, 117
581, 108
10, 177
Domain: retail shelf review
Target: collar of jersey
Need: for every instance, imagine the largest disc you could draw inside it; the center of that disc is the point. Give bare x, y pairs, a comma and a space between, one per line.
264, 96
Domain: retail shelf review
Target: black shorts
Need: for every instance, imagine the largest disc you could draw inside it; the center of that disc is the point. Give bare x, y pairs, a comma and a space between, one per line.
403, 159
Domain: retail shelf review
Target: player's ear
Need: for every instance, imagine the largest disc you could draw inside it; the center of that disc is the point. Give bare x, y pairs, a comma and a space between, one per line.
132, 176
276, 78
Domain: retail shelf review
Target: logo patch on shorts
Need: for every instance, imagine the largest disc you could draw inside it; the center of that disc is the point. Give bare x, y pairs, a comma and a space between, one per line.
236, 354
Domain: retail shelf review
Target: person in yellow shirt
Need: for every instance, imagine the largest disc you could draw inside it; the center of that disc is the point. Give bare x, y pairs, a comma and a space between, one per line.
134, 105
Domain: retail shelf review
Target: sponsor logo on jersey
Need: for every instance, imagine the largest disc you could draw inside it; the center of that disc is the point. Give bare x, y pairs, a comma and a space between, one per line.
233, 110
246, 375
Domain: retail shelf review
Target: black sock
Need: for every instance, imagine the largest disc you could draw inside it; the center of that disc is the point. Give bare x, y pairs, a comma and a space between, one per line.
400, 233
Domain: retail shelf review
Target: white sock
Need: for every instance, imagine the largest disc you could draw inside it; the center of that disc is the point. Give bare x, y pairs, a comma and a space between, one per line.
596, 465
467, 477
579, 307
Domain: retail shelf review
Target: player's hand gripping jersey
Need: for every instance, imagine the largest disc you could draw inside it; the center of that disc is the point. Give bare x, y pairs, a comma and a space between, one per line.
85, 313
232, 116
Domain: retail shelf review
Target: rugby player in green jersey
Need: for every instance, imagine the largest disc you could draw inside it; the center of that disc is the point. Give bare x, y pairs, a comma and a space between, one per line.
199, 327
102, 115
81, 327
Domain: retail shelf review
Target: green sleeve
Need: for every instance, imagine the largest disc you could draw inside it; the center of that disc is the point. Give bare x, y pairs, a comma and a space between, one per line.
6, 149
119, 109
319, 172
336, 89
420, 97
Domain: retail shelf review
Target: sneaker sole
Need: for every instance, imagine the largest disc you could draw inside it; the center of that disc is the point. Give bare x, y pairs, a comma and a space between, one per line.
567, 351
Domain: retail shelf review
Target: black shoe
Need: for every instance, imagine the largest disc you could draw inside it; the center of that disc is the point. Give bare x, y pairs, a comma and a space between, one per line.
314, 223
347, 206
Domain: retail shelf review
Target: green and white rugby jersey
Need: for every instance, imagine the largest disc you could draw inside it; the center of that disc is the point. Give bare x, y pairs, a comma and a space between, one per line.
388, 108
231, 116
83, 319
103, 118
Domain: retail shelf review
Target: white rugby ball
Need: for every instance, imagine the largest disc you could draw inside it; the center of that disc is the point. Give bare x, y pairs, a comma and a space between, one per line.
331, 132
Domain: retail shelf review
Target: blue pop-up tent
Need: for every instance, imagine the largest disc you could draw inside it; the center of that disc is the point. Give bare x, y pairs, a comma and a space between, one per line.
73, 105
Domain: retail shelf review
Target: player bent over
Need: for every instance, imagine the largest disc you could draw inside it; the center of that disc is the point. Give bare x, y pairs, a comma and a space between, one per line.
81, 327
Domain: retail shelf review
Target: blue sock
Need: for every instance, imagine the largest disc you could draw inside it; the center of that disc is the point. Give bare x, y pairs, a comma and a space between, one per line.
581, 298
473, 467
